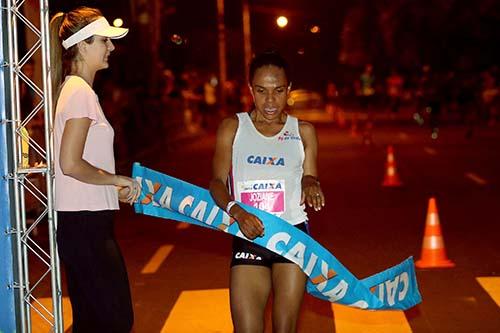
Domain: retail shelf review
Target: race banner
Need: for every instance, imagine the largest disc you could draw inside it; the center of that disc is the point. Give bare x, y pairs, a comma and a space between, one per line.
170, 198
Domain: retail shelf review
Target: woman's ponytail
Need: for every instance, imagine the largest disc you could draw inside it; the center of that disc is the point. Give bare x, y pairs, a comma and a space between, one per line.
56, 51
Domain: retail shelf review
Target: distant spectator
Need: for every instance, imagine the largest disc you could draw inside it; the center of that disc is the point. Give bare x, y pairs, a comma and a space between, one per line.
208, 107
367, 80
395, 84
490, 93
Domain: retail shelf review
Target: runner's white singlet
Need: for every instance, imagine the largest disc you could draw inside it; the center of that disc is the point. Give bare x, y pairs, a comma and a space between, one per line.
267, 171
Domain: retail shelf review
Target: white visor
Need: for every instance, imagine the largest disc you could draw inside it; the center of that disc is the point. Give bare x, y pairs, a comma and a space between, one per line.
99, 27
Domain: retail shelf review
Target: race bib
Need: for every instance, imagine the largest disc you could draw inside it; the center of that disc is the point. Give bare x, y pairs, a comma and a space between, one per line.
266, 195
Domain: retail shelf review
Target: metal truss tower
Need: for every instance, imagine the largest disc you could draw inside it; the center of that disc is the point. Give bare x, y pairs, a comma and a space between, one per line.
30, 170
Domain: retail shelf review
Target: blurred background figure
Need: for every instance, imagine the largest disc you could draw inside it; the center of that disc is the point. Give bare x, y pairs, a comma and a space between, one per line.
489, 97
467, 101
428, 100
167, 87
395, 84
35, 130
331, 96
421, 93
246, 100
367, 80
27, 94
192, 96
331, 104
450, 90
208, 108
233, 100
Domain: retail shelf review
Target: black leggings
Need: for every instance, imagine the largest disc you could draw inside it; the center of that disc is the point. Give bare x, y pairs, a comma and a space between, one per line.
95, 272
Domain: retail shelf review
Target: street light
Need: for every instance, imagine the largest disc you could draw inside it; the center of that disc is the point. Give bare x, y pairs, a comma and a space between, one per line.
118, 22
282, 21
314, 29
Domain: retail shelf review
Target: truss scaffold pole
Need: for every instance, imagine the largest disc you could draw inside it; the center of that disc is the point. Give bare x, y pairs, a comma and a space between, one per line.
52, 217
31, 176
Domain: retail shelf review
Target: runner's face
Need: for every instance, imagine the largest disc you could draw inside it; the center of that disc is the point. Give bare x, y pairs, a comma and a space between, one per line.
270, 91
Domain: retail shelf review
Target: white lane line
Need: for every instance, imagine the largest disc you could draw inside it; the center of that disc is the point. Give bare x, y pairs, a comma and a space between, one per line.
200, 311
430, 151
157, 259
492, 286
475, 178
350, 320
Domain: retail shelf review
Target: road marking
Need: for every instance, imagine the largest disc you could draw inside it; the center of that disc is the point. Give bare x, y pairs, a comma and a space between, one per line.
182, 226
430, 151
351, 320
157, 259
468, 299
200, 311
492, 286
208, 311
475, 178
39, 324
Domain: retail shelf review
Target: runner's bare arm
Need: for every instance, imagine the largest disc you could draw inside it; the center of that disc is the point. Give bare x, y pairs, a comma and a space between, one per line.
312, 194
249, 224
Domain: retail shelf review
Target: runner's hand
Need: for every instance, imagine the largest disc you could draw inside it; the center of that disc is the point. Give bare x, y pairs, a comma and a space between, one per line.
312, 194
249, 224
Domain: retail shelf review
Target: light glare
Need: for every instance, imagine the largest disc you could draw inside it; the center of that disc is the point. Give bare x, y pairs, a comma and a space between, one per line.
282, 21
118, 22
314, 29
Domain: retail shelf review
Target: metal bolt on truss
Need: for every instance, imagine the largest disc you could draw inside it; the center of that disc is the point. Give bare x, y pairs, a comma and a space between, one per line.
38, 291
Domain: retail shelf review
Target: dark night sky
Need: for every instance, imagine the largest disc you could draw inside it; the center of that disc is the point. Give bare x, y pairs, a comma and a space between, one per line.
197, 22
201, 29
440, 32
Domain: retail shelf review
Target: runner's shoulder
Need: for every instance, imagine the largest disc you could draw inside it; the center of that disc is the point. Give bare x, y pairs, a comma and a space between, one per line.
306, 129
228, 126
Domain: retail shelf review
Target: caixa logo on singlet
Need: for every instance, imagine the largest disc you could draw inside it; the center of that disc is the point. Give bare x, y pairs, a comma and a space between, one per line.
266, 160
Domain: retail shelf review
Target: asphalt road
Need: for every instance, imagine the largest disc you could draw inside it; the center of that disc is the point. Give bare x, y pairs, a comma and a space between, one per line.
179, 273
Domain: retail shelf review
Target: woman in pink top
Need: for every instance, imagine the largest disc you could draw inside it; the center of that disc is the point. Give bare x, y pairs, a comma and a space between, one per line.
87, 190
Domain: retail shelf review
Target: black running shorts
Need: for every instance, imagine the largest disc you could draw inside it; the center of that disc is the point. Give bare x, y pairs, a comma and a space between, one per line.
248, 253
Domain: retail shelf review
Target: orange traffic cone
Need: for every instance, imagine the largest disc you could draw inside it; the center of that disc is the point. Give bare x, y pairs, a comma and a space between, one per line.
391, 178
433, 252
